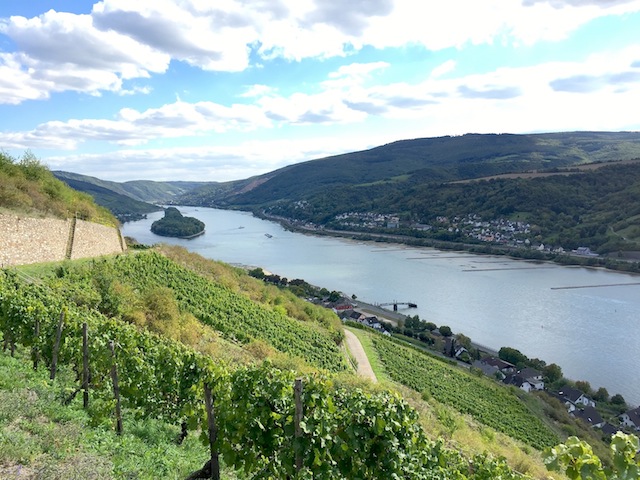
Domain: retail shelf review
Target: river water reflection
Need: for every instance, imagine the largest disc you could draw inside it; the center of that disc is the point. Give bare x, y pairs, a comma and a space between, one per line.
591, 332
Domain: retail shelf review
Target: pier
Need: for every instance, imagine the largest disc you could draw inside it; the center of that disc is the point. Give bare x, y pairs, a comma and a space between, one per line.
395, 305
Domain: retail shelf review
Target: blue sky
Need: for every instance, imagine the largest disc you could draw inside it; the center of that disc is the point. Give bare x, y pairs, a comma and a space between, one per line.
217, 91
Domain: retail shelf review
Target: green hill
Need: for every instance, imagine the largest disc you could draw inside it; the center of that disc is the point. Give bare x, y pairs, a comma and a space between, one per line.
142, 190
28, 187
122, 206
432, 160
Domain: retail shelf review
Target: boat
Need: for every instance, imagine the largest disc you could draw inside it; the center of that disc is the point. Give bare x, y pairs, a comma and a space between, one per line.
268, 235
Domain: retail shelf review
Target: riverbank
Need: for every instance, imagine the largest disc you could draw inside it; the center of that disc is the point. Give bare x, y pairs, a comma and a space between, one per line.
626, 262
382, 313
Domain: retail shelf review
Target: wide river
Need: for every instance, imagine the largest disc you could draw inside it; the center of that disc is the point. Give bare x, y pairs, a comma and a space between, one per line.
585, 320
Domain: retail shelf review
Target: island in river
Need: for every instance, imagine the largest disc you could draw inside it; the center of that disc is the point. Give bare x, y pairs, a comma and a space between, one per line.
174, 224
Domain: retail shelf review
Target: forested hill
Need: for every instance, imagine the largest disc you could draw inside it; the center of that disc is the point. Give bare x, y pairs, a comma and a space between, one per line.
140, 190
425, 160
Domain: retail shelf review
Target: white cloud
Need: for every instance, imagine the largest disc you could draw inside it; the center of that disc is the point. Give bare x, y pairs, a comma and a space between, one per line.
179, 119
507, 99
444, 68
257, 91
123, 40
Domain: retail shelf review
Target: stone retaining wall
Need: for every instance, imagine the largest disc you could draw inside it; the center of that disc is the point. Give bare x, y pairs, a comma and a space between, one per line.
25, 240
93, 240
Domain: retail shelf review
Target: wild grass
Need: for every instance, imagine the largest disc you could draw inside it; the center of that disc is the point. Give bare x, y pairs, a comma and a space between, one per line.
41, 438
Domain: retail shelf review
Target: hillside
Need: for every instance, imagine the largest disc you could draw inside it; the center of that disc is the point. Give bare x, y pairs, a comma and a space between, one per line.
563, 190
426, 160
179, 319
28, 187
142, 190
161, 378
123, 207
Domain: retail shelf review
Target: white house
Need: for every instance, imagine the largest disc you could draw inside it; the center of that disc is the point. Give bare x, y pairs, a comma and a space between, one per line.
533, 376
631, 419
573, 398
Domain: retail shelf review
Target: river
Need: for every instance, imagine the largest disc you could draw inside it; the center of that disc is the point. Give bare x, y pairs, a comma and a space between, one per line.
585, 320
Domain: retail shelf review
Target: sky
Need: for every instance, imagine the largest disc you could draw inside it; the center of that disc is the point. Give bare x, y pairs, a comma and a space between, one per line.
223, 90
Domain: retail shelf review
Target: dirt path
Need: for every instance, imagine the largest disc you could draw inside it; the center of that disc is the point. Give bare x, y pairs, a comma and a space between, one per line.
355, 347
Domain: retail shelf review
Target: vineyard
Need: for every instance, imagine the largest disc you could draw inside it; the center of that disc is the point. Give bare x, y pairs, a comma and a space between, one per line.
485, 401
334, 433
235, 316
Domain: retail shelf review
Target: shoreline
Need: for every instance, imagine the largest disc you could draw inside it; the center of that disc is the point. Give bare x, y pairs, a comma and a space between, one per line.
579, 261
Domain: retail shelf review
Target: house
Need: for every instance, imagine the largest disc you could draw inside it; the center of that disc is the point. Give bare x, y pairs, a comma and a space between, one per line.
488, 370
341, 307
590, 416
533, 376
631, 419
572, 398
518, 381
453, 349
585, 251
609, 429
505, 368
356, 316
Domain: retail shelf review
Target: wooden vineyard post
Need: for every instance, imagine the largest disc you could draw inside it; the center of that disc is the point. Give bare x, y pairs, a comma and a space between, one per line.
213, 433
56, 346
116, 389
85, 366
297, 391
35, 351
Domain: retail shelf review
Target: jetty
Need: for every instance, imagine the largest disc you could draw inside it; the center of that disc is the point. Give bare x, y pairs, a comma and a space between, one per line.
395, 305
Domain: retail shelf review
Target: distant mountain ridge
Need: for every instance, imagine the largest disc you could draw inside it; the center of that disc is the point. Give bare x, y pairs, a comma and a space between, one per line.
424, 160
568, 196
142, 190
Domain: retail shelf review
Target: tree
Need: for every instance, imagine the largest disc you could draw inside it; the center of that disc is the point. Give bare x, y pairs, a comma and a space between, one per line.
464, 341
618, 399
552, 373
537, 363
257, 273
445, 331
334, 296
514, 356
602, 395
584, 387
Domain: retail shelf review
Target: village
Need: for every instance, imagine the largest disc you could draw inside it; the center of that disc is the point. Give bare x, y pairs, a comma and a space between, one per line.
444, 343
500, 231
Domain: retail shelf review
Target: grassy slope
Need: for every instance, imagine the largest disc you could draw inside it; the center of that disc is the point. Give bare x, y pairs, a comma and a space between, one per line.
42, 438
28, 187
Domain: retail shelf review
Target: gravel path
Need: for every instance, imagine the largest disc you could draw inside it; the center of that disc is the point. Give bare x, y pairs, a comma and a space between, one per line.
355, 347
